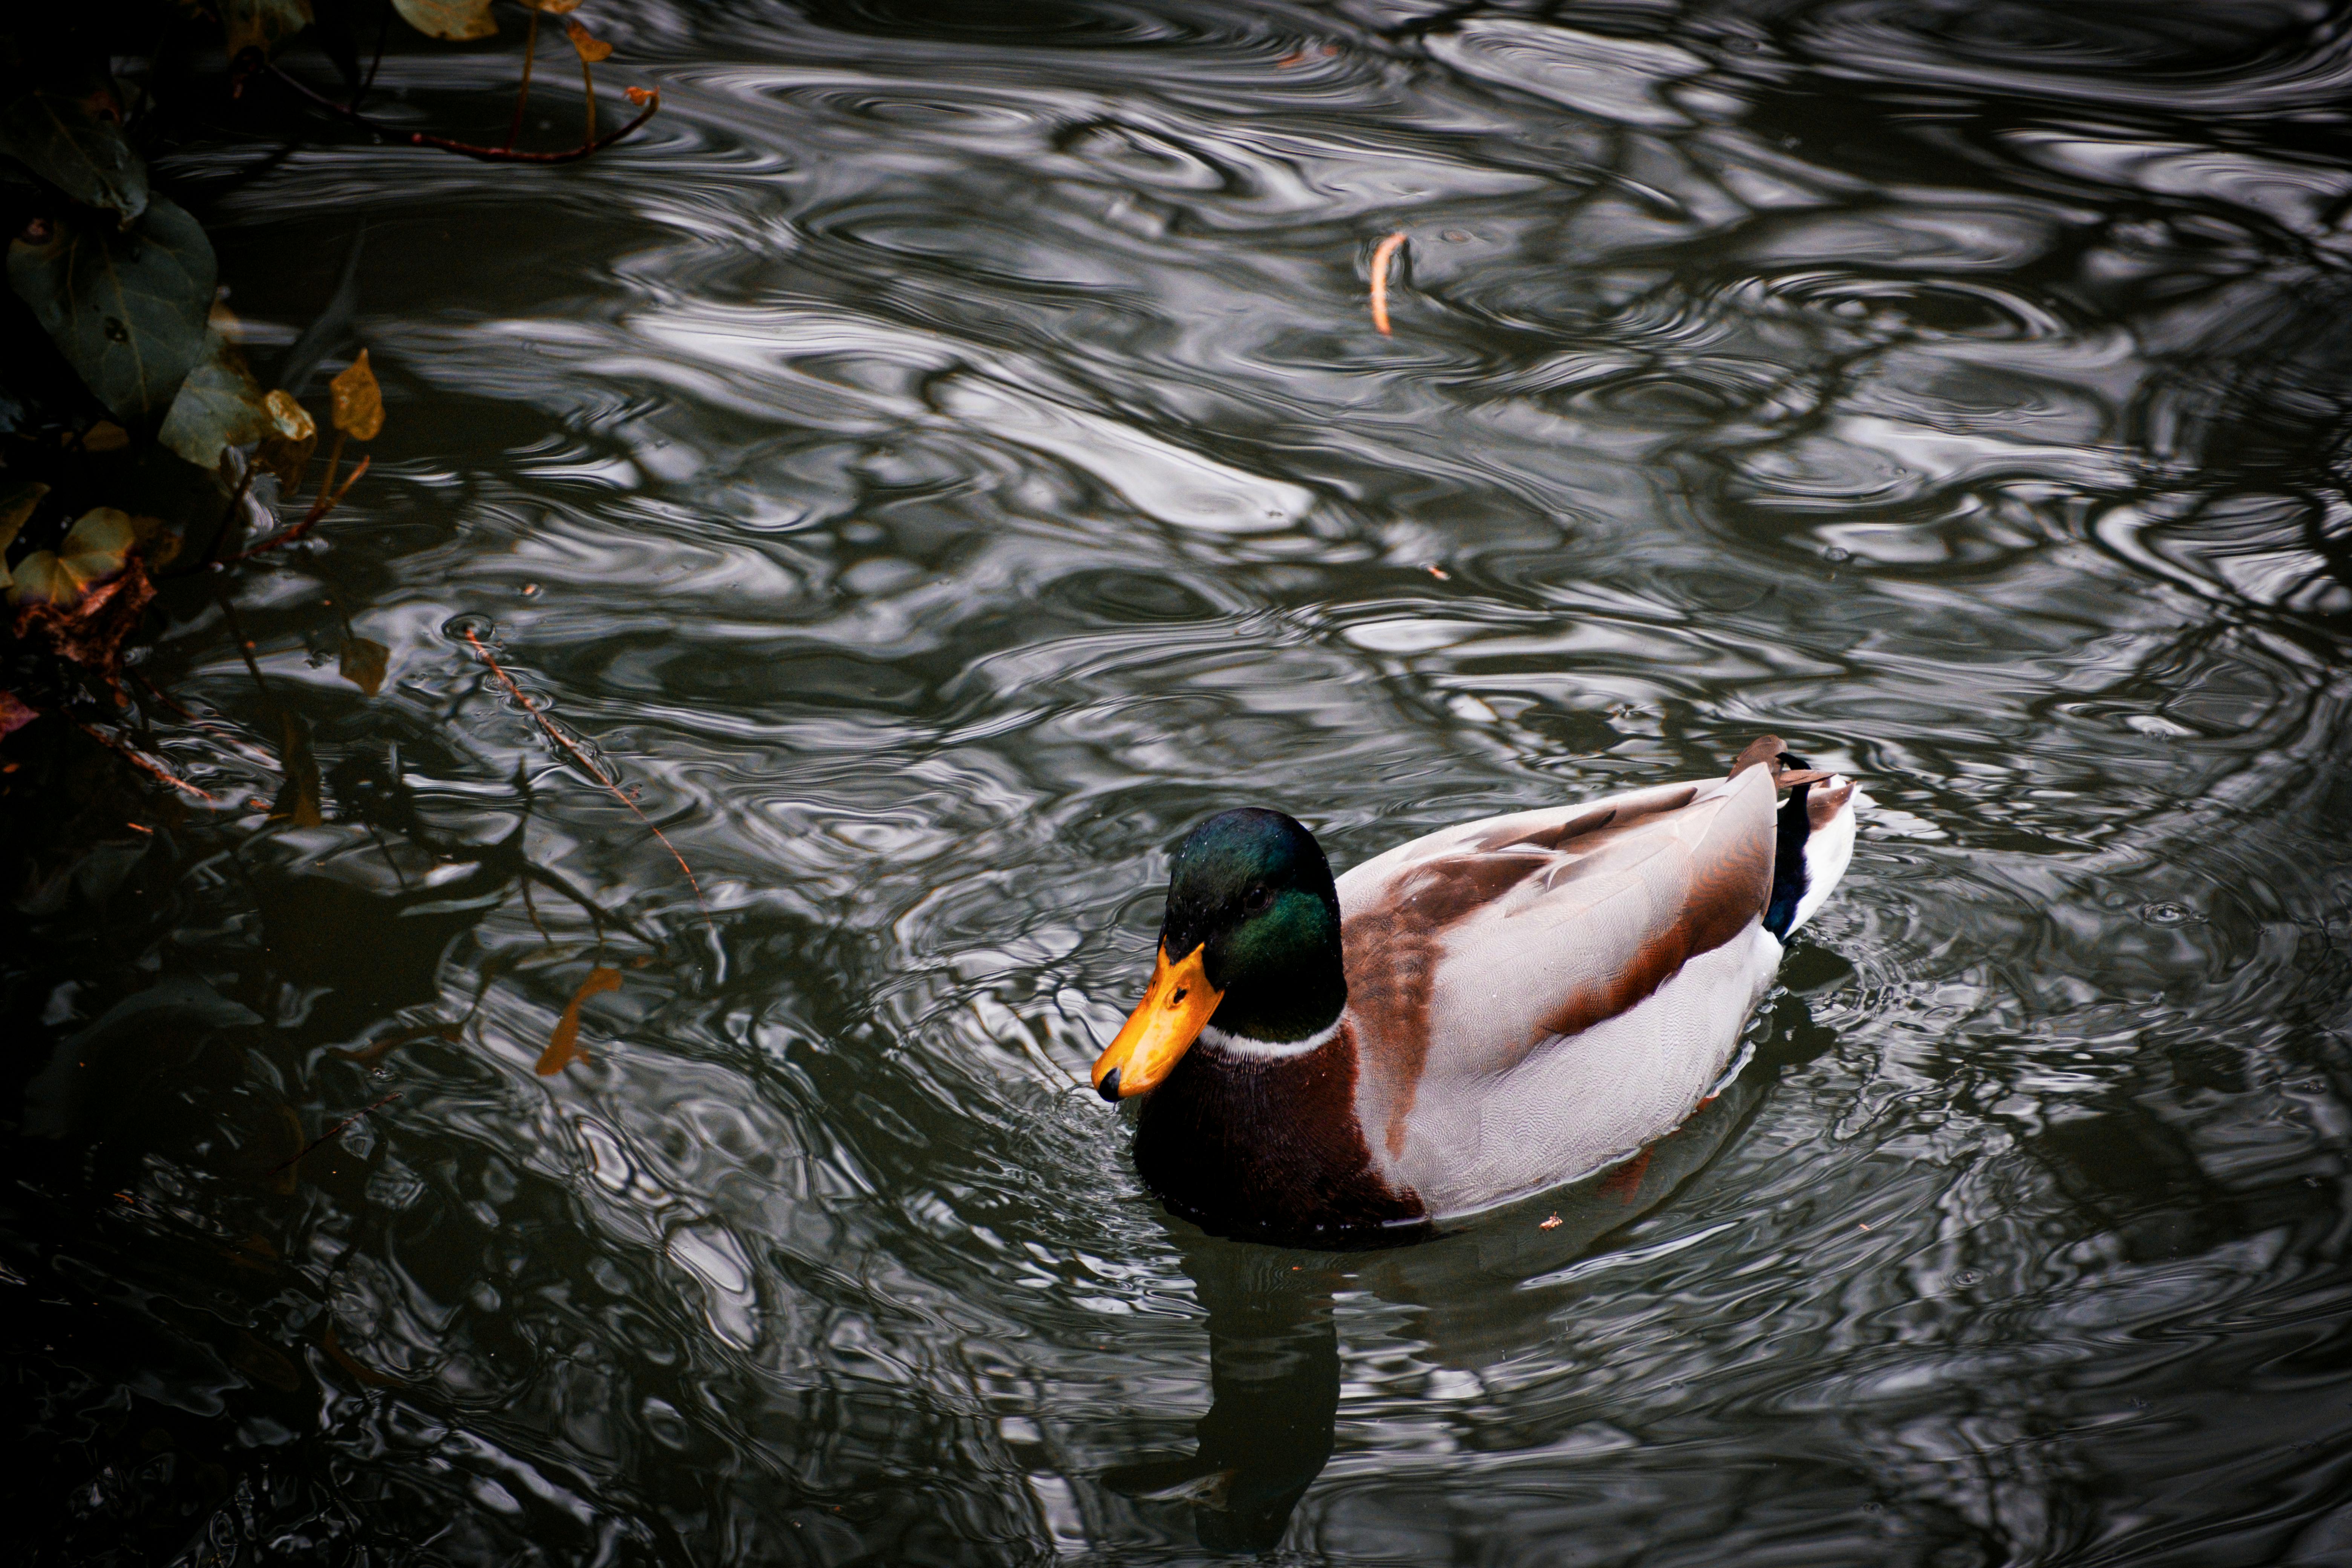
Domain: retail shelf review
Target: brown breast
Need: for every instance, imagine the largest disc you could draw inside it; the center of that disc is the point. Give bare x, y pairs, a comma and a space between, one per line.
1271, 1151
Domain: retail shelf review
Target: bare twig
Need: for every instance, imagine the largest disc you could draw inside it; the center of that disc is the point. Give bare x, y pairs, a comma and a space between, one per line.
589, 765
327, 502
1381, 254
330, 1132
522, 94
144, 763
469, 149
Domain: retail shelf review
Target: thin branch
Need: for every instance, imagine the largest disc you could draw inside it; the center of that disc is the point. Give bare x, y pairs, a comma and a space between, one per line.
144, 763
469, 149
522, 94
593, 772
320, 508
228, 518
330, 1132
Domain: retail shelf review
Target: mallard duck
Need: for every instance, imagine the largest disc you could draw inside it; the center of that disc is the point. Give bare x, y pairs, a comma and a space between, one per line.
1482, 1013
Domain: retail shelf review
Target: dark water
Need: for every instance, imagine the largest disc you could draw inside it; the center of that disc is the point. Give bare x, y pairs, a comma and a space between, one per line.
948, 454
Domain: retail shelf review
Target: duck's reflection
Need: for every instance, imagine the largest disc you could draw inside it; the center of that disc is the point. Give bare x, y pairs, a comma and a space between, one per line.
1274, 1381
1479, 1295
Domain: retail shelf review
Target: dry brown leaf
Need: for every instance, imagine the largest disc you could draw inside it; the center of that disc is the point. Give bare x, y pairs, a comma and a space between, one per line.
92, 631
455, 20
563, 1046
553, 7
285, 450
589, 47
362, 663
105, 436
359, 402
303, 809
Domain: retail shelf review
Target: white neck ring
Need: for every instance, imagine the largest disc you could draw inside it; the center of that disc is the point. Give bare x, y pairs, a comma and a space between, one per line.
1243, 1048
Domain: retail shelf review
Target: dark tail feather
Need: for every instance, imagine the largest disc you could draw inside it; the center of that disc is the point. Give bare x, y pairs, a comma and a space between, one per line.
1789, 856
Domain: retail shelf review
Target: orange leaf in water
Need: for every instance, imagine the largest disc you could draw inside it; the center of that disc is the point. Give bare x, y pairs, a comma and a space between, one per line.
589, 47
362, 663
359, 402
285, 450
640, 94
564, 1047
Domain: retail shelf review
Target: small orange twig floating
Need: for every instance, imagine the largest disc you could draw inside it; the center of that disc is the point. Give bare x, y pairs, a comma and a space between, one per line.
1381, 254
482, 652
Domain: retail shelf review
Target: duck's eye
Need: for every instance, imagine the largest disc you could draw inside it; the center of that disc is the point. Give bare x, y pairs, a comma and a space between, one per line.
1255, 899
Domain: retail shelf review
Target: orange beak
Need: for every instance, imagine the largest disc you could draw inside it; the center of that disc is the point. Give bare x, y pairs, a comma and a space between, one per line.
1161, 1028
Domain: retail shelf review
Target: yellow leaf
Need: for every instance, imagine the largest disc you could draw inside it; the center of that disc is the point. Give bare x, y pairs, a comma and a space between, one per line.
286, 450
455, 20
17, 504
157, 543
358, 402
39, 579
563, 1046
363, 664
97, 548
302, 777
589, 47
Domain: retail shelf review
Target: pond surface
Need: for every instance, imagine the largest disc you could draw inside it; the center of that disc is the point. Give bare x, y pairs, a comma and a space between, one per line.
947, 454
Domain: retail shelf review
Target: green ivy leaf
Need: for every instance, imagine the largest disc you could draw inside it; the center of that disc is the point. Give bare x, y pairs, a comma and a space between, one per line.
126, 306
75, 144
219, 405
456, 20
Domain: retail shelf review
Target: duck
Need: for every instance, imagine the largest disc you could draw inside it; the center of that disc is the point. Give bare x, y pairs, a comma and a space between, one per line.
1491, 1010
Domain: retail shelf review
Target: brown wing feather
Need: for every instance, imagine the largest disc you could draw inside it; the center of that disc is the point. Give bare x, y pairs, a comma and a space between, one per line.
1542, 932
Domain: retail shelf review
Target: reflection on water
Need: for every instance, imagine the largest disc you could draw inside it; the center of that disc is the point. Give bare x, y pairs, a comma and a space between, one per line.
949, 455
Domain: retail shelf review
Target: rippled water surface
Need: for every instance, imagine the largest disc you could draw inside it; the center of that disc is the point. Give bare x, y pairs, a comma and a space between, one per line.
948, 453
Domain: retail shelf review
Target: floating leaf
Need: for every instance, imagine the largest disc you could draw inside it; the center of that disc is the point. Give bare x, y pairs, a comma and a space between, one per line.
563, 1046
586, 45
362, 663
159, 541
39, 579
90, 633
553, 7
13, 714
455, 20
219, 405
75, 141
262, 23
95, 550
297, 801
358, 402
285, 447
17, 504
126, 307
